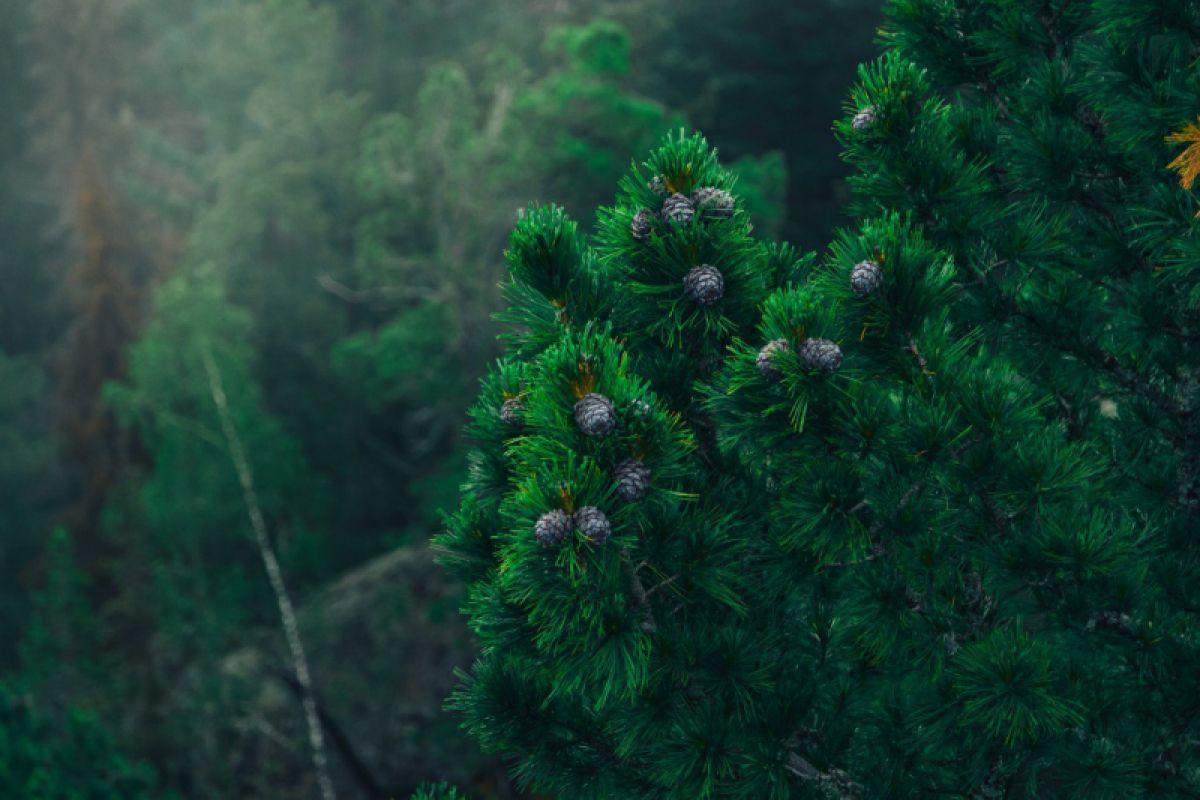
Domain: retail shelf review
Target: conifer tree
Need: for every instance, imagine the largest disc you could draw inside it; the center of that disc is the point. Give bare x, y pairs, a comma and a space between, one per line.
910, 519
1035, 143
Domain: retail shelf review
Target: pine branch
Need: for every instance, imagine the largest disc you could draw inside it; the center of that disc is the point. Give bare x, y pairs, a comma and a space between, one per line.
916, 354
1126, 377
834, 783
1074, 428
640, 596
287, 613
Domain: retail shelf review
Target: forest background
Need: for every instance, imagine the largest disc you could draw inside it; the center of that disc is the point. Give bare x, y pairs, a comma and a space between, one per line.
305, 203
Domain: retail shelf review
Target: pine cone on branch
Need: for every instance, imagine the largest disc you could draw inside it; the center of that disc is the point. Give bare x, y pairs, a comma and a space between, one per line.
512, 412
642, 224
766, 359
864, 119
593, 524
595, 415
678, 208
821, 355
633, 480
866, 277
552, 527
713, 203
704, 284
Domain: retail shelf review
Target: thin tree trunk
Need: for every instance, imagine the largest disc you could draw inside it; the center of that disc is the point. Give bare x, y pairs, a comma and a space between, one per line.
287, 612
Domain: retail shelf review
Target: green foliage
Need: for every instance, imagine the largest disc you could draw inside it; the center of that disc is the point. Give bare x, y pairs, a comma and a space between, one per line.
405, 359
192, 580
437, 791
24, 472
1034, 146
47, 751
601, 48
924, 567
192, 502
576, 126
60, 643
68, 757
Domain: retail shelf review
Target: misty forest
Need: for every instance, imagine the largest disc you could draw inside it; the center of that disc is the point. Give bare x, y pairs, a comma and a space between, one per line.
633, 399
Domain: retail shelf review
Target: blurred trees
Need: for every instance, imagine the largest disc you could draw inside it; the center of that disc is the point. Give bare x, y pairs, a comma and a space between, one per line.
758, 76
69, 757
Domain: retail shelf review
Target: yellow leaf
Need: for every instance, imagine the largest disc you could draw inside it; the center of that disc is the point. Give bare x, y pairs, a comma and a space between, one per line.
1187, 163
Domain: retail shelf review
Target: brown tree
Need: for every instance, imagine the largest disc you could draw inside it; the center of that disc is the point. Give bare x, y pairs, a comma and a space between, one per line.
106, 294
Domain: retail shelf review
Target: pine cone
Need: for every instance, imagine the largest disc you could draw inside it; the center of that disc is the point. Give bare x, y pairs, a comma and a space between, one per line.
821, 355
593, 524
552, 527
864, 119
512, 412
704, 284
713, 203
642, 224
678, 208
865, 278
632, 478
657, 186
595, 415
766, 356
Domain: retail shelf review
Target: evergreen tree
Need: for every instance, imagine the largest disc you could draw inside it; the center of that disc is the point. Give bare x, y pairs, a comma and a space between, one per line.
437, 791
747, 523
108, 301
51, 747
192, 583
68, 757
1034, 143
24, 471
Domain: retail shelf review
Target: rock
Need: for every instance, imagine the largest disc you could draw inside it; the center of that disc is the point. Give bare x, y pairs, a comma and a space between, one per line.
383, 642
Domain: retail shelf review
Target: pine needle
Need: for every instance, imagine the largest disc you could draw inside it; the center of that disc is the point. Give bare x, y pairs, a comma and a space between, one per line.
1187, 163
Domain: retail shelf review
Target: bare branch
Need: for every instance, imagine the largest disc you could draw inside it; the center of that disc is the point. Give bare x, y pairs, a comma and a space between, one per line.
834, 783
640, 597
921, 362
376, 293
287, 612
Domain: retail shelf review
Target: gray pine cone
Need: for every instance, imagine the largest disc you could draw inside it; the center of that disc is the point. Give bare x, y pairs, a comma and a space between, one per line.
512, 412
642, 224
864, 119
633, 480
821, 354
657, 186
593, 524
705, 284
713, 203
595, 415
766, 357
866, 277
678, 208
552, 527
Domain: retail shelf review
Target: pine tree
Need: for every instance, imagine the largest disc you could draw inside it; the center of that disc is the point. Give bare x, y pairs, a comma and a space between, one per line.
63, 756
887, 549
1035, 143
109, 305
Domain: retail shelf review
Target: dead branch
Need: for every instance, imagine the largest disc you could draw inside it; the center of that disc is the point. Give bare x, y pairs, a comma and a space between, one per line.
287, 612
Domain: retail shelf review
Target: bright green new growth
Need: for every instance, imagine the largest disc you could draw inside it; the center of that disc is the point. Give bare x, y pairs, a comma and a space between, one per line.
437, 791
938, 537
